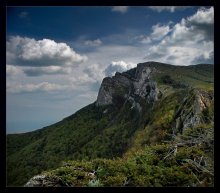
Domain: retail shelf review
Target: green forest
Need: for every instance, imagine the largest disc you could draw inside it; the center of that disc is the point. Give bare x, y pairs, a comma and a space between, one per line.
153, 147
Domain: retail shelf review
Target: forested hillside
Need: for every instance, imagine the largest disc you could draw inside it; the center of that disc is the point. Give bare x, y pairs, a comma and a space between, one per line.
150, 126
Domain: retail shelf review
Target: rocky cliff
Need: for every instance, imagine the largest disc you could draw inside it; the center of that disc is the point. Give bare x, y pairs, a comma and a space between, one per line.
129, 85
192, 110
140, 82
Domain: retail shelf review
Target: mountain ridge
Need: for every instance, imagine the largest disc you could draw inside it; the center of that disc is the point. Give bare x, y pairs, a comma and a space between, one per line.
158, 98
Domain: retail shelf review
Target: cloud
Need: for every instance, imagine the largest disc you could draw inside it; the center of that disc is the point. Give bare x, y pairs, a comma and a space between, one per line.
96, 42
187, 43
23, 14
118, 66
168, 8
203, 16
49, 70
80, 80
27, 88
159, 31
120, 9
202, 22
30, 52
12, 70
207, 57
95, 72
89, 95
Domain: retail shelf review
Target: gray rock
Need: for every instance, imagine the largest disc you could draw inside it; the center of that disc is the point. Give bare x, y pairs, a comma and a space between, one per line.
45, 181
189, 113
139, 84
105, 92
134, 104
147, 90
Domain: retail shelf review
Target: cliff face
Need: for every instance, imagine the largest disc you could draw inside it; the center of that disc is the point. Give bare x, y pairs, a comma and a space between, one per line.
127, 85
140, 83
193, 110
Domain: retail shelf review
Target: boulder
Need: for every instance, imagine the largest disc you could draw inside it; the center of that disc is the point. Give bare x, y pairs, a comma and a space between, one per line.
45, 181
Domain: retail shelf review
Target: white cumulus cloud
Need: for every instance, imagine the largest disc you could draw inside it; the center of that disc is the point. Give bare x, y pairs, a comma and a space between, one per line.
159, 31
25, 51
203, 16
118, 66
188, 43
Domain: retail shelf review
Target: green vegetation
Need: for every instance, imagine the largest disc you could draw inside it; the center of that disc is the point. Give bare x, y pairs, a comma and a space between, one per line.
196, 76
88, 134
125, 146
181, 162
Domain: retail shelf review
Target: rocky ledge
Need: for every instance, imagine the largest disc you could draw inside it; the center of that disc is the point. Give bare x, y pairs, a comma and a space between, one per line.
192, 110
135, 82
45, 181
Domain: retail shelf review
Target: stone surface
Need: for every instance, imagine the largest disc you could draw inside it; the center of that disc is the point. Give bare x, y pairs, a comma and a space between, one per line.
105, 92
192, 115
135, 104
138, 83
133, 82
45, 181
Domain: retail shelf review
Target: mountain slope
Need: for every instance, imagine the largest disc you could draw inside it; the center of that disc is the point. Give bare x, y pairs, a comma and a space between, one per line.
181, 162
140, 107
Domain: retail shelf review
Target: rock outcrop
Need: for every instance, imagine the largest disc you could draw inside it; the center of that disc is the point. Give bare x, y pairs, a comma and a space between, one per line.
45, 181
135, 82
105, 92
190, 112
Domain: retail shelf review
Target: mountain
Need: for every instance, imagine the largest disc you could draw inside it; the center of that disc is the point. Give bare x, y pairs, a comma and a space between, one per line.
159, 114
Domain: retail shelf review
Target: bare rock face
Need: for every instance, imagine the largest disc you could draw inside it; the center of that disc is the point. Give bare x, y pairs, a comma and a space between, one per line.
146, 88
203, 100
126, 84
45, 181
134, 104
105, 92
190, 111
144, 72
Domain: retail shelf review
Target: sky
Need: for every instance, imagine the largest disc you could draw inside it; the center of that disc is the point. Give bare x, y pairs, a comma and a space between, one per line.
56, 57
